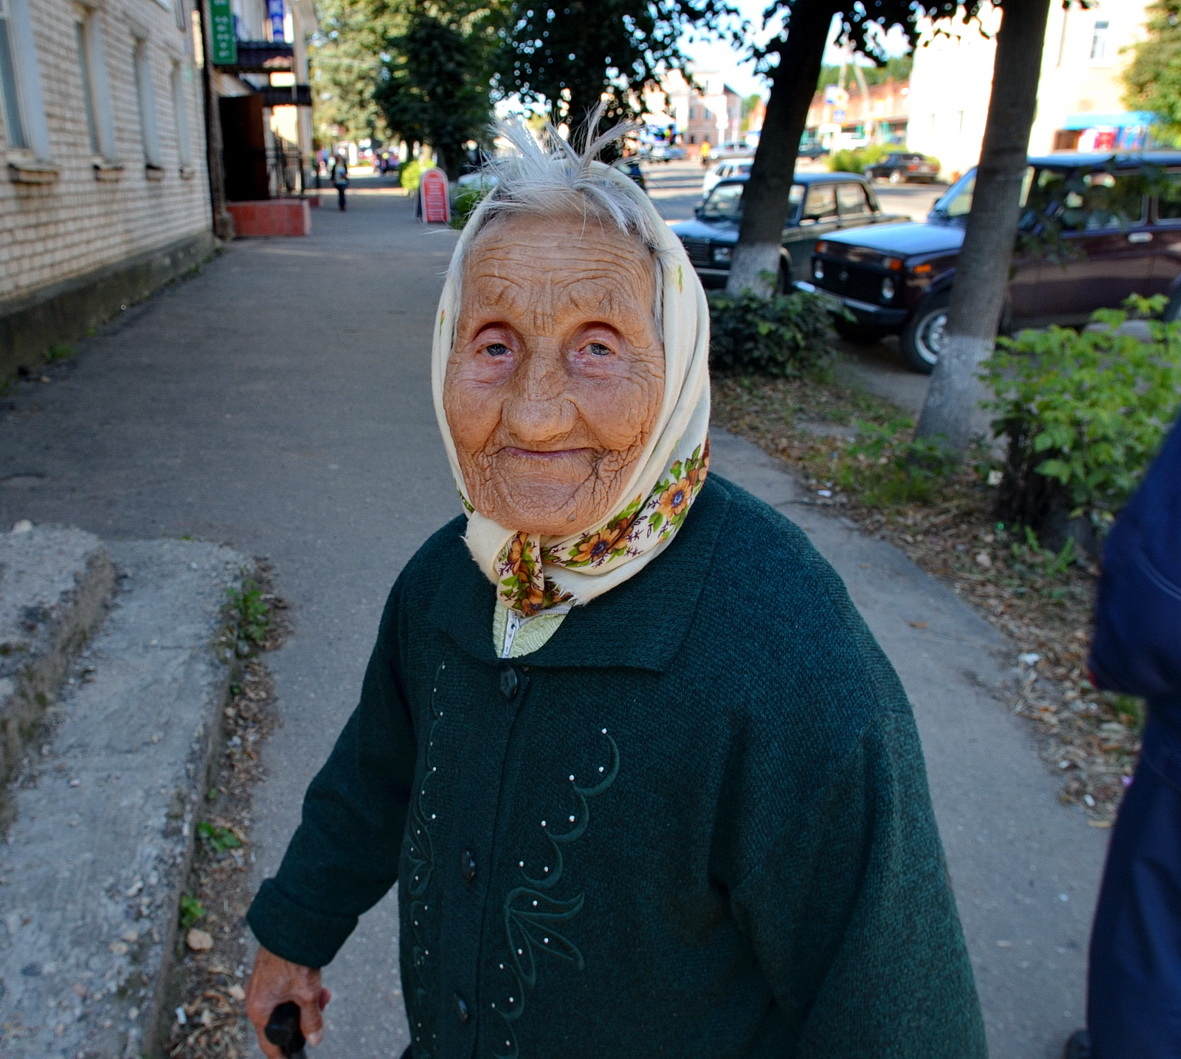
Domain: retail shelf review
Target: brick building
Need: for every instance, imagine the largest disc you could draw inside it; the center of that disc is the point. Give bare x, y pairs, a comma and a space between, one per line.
714, 113
103, 194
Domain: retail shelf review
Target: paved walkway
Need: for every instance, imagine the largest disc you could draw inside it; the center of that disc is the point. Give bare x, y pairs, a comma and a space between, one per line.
279, 402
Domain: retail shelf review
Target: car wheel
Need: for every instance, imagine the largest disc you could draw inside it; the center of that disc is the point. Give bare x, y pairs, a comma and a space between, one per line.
853, 331
922, 338
895, 177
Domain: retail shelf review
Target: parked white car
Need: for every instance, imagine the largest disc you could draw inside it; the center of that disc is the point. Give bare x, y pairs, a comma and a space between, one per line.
723, 170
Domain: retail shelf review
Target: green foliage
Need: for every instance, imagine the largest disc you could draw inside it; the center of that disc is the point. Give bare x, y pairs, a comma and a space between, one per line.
191, 911
219, 839
857, 161
1152, 79
59, 351
410, 175
787, 335
345, 60
896, 67
570, 55
1083, 412
885, 466
250, 613
466, 200
433, 85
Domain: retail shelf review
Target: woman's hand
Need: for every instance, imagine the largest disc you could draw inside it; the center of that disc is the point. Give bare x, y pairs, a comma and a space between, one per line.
274, 981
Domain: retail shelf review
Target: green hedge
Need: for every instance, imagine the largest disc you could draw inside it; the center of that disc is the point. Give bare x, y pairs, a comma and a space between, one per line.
1083, 413
786, 335
411, 173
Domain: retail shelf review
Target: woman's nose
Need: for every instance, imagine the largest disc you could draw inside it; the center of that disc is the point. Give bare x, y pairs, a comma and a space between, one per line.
538, 405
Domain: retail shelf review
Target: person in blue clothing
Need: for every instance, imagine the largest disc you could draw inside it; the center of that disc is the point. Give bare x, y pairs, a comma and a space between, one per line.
1134, 980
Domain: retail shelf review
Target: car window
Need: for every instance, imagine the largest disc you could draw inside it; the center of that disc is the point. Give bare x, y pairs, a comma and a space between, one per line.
724, 203
1168, 201
851, 198
820, 204
958, 200
1102, 201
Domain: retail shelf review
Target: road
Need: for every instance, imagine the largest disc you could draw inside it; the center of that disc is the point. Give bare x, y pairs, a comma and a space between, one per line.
676, 189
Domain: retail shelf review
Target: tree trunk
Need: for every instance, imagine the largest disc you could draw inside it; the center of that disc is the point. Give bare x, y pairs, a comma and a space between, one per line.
755, 265
951, 412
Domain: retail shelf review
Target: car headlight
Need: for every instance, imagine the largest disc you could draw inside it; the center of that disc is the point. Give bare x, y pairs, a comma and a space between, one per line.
722, 255
888, 288
818, 270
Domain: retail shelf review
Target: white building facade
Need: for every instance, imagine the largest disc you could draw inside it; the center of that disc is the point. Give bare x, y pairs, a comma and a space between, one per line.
104, 191
1080, 104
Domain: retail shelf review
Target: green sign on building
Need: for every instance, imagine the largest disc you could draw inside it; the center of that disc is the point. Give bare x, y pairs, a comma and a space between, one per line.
223, 43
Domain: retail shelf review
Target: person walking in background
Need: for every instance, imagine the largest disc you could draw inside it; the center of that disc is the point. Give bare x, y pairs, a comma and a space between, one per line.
340, 180
1134, 979
705, 153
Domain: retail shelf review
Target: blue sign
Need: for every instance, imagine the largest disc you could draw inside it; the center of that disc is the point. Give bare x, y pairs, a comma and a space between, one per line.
277, 14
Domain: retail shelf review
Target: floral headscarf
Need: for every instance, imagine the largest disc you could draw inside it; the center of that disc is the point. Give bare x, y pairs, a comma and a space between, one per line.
533, 573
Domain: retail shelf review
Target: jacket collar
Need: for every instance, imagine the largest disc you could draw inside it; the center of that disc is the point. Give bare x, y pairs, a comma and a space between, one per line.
640, 623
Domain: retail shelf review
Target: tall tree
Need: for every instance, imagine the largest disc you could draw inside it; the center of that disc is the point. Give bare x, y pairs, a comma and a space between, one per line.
346, 61
434, 82
792, 61
1153, 77
951, 411
574, 54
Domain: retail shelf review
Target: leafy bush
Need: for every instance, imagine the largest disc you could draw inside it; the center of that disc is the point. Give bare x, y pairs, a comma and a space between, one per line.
846, 161
886, 466
1083, 414
466, 200
411, 173
191, 911
786, 335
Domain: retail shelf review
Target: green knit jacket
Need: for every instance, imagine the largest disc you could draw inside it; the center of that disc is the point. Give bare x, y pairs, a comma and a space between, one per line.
694, 823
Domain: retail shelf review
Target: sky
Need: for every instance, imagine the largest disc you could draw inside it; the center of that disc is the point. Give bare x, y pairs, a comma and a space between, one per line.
721, 57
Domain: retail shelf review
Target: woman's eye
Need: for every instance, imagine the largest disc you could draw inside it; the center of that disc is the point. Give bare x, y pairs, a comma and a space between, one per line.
597, 349
496, 349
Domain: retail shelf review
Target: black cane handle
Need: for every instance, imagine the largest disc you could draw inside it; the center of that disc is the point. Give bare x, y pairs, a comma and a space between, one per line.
283, 1030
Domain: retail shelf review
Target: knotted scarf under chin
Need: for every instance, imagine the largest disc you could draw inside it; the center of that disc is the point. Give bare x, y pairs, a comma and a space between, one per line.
533, 573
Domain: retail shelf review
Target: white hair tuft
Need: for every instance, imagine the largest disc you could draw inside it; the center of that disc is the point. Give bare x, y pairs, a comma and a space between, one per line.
550, 177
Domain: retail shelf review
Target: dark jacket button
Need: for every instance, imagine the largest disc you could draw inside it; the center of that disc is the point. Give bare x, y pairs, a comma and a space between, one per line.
461, 1009
510, 683
467, 865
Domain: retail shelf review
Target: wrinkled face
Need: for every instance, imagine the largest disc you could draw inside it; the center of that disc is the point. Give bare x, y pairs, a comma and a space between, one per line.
557, 374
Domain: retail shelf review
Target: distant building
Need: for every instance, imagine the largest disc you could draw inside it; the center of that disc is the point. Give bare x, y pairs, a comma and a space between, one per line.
263, 97
103, 194
714, 113
1080, 94
859, 114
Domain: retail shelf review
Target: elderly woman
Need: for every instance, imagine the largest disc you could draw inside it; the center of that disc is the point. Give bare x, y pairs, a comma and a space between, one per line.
645, 781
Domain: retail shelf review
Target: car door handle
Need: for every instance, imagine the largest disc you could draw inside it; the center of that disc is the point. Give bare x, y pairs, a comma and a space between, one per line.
1139, 237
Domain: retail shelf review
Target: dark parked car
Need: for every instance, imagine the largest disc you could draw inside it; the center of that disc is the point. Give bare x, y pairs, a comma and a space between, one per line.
903, 167
1093, 229
630, 166
820, 204
812, 150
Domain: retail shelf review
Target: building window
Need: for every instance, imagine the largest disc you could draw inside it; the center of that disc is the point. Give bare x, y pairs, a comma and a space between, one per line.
96, 93
87, 87
180, 116
147, 105
1099, 41
13, 122
22, 111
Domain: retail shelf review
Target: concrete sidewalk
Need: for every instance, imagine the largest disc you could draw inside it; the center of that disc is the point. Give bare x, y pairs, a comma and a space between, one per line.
279, 402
